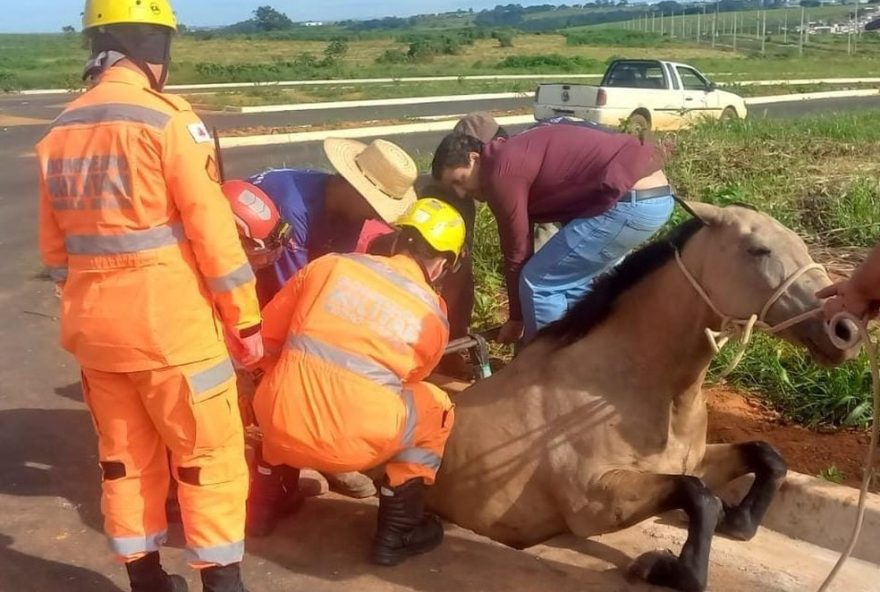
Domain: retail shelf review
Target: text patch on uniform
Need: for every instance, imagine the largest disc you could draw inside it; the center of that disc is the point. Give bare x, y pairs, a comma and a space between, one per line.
100, 182
359, 304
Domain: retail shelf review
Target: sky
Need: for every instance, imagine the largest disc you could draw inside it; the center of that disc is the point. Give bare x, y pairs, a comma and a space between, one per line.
41, 16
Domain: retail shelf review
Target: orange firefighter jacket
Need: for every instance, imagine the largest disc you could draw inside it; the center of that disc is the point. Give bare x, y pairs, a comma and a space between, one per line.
133, 221
352, 332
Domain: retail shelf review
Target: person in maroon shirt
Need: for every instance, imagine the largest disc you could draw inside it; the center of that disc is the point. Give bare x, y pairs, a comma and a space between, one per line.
607, 189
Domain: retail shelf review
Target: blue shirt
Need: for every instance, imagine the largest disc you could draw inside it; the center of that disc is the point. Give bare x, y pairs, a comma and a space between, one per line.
299, 196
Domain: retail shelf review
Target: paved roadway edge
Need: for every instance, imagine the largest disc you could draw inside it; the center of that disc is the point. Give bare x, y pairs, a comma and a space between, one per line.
443, 125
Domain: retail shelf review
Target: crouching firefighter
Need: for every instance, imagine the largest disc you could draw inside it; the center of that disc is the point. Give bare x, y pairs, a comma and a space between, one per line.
350, 341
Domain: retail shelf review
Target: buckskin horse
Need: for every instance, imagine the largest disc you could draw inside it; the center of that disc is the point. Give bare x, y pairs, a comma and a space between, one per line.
600, 422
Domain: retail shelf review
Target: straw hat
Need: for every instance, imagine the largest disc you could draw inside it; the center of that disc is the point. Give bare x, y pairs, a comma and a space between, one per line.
382, 172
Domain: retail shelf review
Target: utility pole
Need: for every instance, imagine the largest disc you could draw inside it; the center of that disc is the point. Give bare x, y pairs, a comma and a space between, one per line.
735, 18
803, 32
662, 31
653, 20
785, 29
700, 24
764, 32
714, 25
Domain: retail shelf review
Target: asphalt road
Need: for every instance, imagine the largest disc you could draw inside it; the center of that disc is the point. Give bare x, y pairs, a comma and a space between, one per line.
50, 525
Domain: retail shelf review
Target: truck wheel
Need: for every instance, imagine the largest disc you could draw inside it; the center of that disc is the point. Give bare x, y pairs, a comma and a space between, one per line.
638, 125
729, 114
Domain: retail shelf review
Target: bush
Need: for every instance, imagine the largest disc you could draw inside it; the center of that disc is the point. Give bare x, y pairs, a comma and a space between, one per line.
549, 61
615, 37
9, 82
393, 56
337, 50
504, 38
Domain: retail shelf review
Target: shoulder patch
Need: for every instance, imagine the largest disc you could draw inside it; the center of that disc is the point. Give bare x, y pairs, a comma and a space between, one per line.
199, 133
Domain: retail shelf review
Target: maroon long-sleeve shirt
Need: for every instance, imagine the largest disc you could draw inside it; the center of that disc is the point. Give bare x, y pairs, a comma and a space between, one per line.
556, 173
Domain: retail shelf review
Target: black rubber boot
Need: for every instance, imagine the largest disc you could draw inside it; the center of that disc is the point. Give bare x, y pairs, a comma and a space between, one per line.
404, 528
146, 575
225, 578
274, 494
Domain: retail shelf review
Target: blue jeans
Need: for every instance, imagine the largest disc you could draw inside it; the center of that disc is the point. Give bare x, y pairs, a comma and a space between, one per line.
561, 273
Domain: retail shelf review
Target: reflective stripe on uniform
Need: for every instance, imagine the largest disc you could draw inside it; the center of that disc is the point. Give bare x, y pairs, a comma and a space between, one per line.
111, 113
127, 546
230, 281
220, 555
343, 359
418, 456
58, 274
210, 378
130, 242
400, 281
412, 418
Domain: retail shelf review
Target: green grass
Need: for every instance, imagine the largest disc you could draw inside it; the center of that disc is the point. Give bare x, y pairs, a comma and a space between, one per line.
42, 61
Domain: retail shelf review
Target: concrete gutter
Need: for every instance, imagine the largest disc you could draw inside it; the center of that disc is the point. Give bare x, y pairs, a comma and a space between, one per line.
444, 124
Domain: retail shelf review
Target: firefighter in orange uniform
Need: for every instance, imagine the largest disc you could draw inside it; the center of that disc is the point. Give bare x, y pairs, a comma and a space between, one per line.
135, 228
350, 340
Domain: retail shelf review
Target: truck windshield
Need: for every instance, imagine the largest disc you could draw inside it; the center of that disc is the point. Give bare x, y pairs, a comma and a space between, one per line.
636, 75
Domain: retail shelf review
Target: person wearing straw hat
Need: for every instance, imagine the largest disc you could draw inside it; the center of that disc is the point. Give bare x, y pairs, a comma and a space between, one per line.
320, 213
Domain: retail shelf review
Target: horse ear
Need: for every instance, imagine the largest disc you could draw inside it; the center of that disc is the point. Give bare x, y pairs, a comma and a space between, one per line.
706, 213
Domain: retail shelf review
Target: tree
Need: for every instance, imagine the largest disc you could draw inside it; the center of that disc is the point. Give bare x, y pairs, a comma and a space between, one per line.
68, 30
269, 19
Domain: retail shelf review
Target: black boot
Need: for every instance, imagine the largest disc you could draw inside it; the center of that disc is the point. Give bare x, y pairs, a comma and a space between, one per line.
146, 575
225, 578
404, 528
274, 494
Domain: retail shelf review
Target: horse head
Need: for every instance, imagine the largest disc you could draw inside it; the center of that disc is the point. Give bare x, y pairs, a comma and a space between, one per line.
748, 264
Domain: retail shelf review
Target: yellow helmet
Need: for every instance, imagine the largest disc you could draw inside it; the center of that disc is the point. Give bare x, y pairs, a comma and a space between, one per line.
438, 223
99, 13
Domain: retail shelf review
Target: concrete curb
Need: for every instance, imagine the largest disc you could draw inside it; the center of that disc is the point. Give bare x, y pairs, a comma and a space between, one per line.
380, 102
494, 96
355, 133
327, 82
831, 94
809, 509
821, 513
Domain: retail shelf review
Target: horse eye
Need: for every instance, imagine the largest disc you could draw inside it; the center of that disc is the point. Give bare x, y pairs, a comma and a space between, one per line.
759, 251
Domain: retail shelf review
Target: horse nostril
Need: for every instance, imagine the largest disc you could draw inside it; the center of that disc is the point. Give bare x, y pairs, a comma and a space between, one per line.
845, 330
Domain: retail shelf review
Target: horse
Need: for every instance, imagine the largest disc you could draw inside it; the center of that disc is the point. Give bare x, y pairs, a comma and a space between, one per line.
600, 422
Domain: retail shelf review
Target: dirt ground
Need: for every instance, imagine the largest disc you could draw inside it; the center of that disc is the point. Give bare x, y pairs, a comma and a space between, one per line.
737, 417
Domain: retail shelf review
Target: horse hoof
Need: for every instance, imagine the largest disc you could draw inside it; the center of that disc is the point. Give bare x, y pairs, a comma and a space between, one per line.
663, 568
737, 525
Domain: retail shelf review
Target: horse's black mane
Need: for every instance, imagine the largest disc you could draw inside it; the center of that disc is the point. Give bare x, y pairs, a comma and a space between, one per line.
599, 302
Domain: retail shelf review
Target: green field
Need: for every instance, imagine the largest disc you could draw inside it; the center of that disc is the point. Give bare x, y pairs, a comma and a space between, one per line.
47, 61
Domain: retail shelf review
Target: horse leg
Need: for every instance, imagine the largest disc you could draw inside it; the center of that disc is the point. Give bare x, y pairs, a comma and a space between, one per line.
725, 462
629, 497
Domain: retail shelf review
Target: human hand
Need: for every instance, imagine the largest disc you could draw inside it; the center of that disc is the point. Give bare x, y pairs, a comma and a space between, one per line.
510, 332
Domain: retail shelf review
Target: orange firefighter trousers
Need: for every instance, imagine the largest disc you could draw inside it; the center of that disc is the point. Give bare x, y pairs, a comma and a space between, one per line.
192, 410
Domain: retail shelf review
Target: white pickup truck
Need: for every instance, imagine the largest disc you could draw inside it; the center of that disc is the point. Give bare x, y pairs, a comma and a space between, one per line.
641, 95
